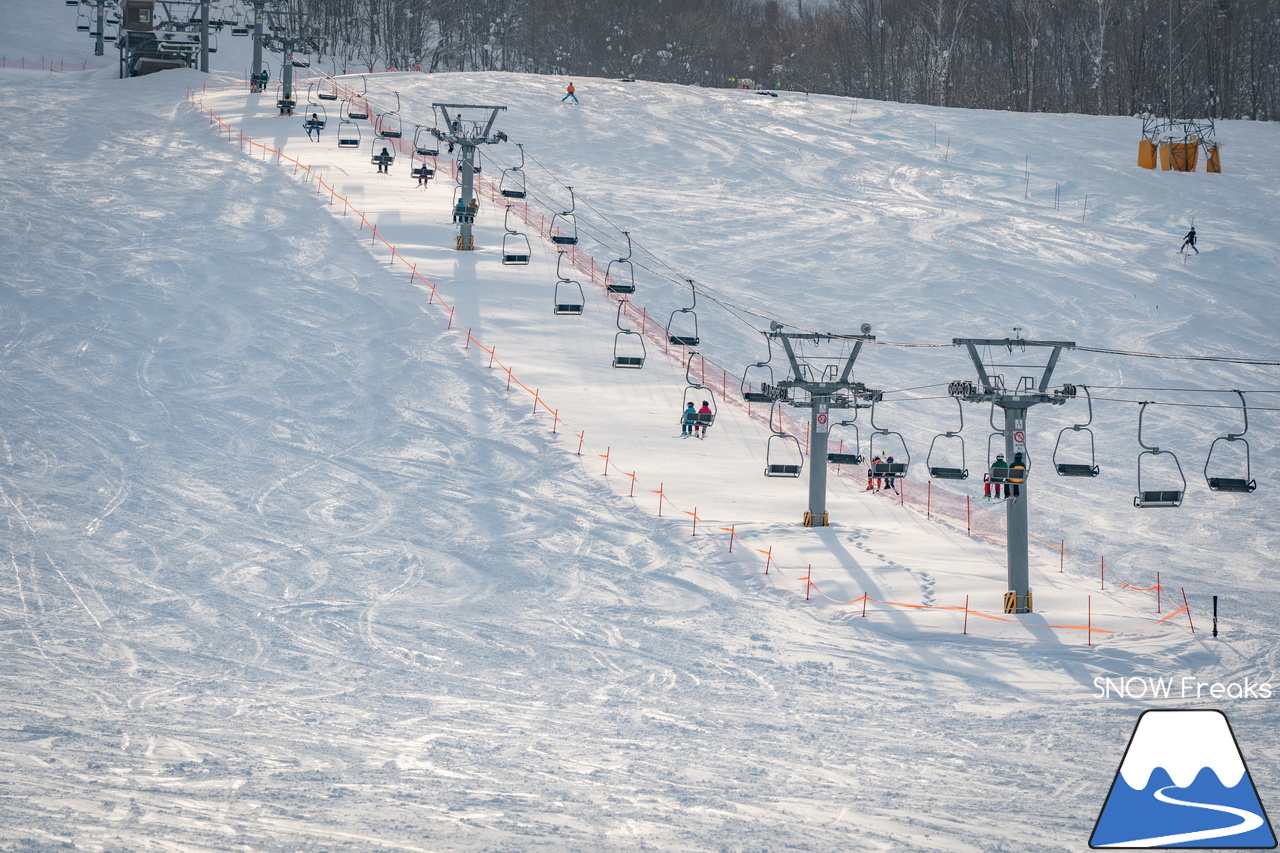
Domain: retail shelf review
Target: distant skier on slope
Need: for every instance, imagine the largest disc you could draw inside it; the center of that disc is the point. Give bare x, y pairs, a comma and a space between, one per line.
569, 94
1189, 240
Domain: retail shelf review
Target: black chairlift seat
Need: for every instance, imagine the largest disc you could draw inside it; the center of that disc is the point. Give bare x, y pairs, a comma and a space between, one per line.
775, 469
239, 32
1232, 484
357, 116
845, 458
513, 193
1068, 469
422, 172
757, 397
568, 308
1167, 497
949, 473
880, 469
634, 361
327, 96
683, 340
614, 287
564, 239
1007, 474
705, 418
348, 143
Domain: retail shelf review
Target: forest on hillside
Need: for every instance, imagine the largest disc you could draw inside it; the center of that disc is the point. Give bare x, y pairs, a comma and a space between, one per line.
1179, 58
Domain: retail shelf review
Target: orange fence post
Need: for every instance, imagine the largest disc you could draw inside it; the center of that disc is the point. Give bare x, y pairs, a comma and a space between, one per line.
632, 493
1188, 607
582, 437
605, 457
808, 582
966, 616
1159, 592
1089, 624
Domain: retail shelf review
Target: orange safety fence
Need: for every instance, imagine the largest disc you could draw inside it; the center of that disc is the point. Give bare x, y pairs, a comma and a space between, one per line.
589, 267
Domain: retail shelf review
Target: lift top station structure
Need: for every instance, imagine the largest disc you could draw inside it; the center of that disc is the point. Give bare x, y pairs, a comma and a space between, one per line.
824, 383
158, 35
468, 134
1029, 391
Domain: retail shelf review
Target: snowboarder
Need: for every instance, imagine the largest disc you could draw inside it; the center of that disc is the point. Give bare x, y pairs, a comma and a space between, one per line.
998, 477
384, 161
569, 94
1189, 240
688, 419
705, 416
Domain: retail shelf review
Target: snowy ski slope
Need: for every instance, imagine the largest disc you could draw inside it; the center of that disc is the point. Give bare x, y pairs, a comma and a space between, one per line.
289, 567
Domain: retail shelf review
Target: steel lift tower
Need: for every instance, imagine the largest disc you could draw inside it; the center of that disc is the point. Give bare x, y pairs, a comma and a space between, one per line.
467, 134
1029, 391
830, 388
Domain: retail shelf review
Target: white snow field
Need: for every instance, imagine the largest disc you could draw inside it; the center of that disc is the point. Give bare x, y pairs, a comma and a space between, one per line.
288, 565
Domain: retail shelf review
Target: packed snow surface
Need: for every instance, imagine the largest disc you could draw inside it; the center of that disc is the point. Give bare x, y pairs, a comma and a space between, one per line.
293, 560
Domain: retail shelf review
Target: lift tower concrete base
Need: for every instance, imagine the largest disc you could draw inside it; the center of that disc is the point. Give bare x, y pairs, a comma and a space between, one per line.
1029, 391
830, 388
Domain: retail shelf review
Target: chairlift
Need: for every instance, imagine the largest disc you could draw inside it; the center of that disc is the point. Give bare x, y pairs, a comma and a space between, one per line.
569, 298
467, 213
1147, 498
239, 30
695, 391
315, 120
888, 469
685, 340
348, 134
213, 43
939, 472
82, 22
515, 246
1232, 484
564, 226
354, 111
627, 354
285, 103
783, 456
389, 123
855, 458
512, 184
381, 153
425, 143
1077, 469
764, 388
627, 279
419, 170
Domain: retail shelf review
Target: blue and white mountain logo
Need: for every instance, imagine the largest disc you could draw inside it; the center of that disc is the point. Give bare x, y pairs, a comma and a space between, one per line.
1183, 783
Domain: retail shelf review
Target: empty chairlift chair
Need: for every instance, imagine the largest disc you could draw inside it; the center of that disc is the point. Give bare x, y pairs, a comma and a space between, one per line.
685, 332
348, 134
1148, 497
389, 123
943, 472
623, 278
628, 345
515, 246
425, 143
1077, 469
512, 184
783, 456
758, 383
564, 226
1219, 483
841, 457
569, 298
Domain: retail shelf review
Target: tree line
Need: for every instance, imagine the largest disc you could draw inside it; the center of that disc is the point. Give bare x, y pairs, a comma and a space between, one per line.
1176, 58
